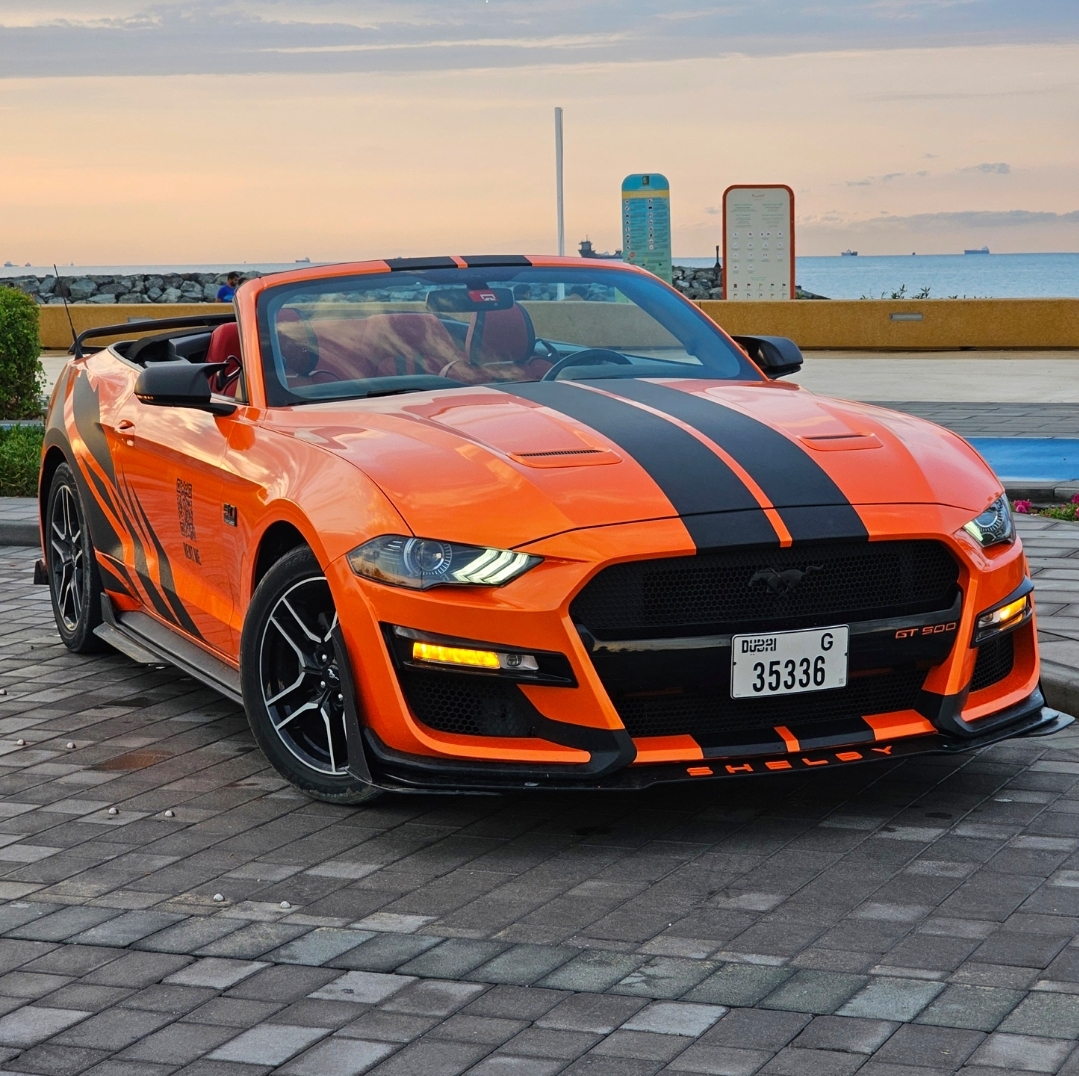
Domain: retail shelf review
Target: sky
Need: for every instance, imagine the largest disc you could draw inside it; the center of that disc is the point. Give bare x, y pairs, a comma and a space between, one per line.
139, 131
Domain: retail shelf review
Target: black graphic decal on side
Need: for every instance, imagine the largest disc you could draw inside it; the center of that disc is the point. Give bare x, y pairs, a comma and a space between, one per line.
111, 576
87, 413
811, 505
712, 501
164, 567
142, 570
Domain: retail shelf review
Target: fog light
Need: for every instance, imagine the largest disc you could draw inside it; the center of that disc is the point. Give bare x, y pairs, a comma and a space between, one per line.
1003, 618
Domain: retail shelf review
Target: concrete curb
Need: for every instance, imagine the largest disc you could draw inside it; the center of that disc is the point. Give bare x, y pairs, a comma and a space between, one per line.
1060, 685
1041, 492
14, 533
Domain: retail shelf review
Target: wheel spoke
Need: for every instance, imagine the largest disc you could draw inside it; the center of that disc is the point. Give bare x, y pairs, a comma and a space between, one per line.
287, 690
303, 627
68, 528
329, 738
304, 659
68, 603
312, 705
327, 636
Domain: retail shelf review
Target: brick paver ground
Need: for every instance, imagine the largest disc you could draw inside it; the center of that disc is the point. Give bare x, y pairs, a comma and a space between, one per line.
997, 419
900, 920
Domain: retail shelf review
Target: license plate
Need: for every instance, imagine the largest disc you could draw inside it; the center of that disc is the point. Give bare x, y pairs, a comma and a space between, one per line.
788, 662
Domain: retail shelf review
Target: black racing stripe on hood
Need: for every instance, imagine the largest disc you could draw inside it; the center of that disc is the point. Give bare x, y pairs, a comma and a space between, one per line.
693, 478
812, 506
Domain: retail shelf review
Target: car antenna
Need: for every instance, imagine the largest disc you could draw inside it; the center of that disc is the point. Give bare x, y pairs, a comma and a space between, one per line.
67, 309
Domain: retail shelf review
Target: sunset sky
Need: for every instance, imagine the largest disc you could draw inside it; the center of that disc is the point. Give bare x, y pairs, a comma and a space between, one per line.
136, 131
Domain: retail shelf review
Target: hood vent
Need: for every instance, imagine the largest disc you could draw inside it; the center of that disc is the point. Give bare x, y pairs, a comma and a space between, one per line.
567, 457
561, 452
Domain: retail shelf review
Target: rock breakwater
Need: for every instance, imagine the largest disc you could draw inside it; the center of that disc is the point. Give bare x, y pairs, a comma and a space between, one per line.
104, 290
692, 282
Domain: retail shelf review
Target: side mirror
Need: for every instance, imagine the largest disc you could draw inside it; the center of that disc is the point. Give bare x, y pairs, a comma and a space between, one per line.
181, 384
775, 355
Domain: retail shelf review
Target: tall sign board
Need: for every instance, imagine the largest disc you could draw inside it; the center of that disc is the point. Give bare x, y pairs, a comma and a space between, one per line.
758, 242
646, 223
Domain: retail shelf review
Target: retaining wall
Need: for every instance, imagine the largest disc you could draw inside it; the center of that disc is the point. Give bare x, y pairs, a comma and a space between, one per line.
907, 325
858, 324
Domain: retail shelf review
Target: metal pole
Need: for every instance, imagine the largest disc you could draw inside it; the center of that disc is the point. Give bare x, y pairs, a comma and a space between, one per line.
558, 181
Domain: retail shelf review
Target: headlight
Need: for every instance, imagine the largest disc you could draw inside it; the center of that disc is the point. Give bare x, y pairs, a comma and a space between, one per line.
994, 525
420, 563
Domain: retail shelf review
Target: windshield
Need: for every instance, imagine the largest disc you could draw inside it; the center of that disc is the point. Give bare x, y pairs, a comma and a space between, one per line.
377, 334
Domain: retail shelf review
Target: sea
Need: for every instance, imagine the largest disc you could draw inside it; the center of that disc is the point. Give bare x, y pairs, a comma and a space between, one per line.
934, 276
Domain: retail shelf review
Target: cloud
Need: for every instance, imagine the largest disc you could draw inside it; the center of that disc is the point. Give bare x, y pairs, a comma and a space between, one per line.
44, 38
715, 211
859, 182
997, 169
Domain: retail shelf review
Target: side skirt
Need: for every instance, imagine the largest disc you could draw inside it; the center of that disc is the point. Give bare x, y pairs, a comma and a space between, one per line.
146, 641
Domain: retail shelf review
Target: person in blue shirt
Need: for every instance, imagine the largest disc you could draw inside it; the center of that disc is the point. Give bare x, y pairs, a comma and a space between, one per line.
228, 289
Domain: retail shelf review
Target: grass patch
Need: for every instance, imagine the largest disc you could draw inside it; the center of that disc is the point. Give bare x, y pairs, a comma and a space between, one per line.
20, 460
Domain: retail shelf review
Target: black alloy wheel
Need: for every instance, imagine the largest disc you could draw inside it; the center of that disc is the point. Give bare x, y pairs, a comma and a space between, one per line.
291, 681
74, 581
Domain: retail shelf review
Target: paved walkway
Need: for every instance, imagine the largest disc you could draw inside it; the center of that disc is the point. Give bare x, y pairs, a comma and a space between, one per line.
975, 376
920, 914
996, 419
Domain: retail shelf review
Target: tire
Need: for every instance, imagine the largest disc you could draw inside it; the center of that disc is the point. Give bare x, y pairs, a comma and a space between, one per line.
291, 687
74, 581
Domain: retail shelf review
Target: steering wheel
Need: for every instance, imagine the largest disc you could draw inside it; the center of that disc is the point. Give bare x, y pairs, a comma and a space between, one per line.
581, 358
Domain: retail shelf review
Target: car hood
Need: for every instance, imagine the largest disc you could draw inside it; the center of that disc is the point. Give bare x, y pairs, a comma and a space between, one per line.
509, 466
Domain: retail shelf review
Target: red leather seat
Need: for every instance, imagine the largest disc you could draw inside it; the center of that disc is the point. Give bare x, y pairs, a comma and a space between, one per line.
407, 344
225, 347
499, 346
500, 336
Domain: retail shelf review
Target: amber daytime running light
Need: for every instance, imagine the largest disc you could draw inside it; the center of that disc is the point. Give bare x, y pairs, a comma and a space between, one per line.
477, 659
420, 563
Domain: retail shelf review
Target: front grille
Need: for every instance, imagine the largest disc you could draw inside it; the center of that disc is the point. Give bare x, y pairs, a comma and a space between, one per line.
996, 659
467, 705
714, 593
711, 713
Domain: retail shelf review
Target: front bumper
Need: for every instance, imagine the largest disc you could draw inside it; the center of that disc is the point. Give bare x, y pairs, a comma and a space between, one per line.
612, 752
583, 735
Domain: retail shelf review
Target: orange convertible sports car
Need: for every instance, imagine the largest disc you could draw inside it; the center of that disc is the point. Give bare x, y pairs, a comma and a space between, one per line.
501, 522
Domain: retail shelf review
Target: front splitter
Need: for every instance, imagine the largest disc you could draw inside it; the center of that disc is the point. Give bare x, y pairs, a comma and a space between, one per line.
395, 771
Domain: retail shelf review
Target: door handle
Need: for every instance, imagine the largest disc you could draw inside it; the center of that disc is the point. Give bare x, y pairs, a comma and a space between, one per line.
125, 424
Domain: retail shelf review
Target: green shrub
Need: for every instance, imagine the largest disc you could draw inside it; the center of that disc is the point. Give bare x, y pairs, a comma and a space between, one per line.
20, 349
1061, 511
20, 459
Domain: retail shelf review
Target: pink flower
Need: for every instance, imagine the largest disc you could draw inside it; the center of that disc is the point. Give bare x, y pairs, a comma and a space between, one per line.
1075, 499
1024, 508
